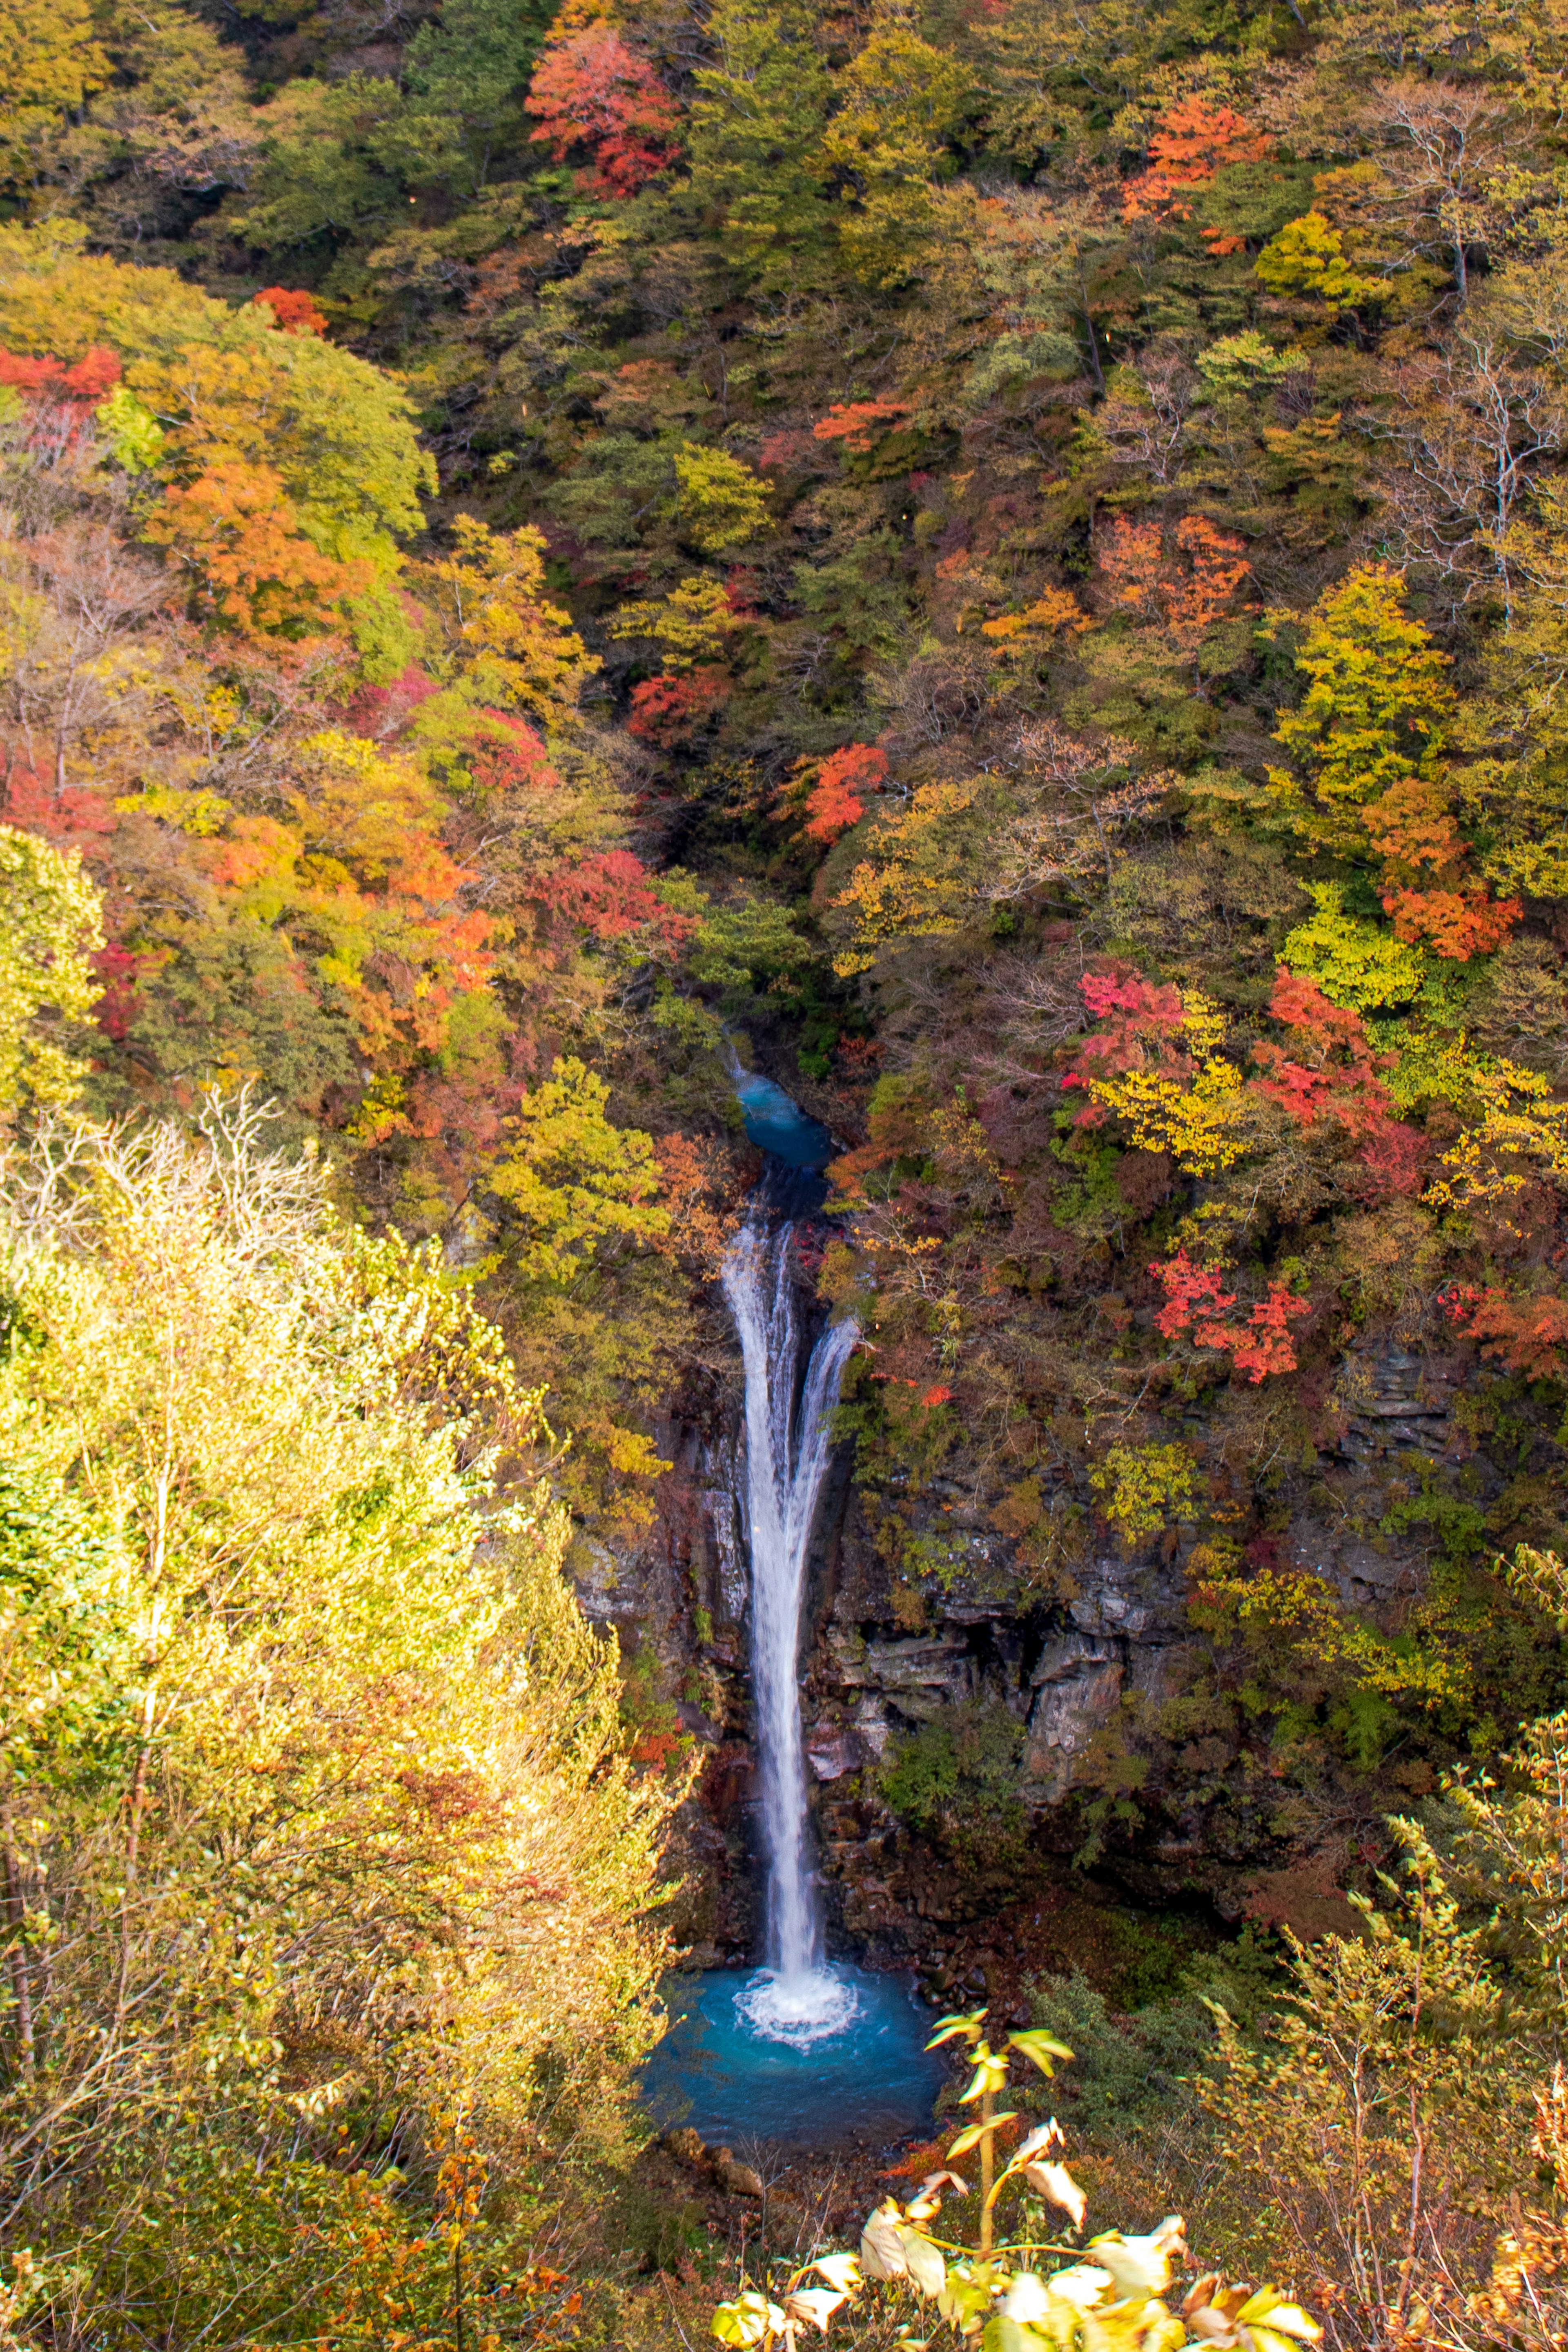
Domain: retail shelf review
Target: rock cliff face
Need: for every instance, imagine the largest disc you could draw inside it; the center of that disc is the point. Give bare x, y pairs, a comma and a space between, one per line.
1040, 1681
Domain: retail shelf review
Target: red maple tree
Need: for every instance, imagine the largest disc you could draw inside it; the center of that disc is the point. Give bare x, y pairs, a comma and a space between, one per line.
834, 802
1143, 1019
1329, 1071
515, 761
293, 310
1194, 1301
1454, 924
668, 710
92, 379
611, 895
590, 90
60, 400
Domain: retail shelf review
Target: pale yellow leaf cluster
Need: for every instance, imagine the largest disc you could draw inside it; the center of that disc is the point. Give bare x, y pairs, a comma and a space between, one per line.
351, 1817
50, 921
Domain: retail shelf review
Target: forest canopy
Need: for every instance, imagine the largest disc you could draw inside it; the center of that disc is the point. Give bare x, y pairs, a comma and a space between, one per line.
1012, 559
1007, 564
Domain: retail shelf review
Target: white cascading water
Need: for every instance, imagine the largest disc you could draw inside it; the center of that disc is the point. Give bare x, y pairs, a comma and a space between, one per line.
795, 1998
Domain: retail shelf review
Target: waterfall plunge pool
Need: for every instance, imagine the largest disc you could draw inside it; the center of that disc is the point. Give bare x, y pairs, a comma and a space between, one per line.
736, 2070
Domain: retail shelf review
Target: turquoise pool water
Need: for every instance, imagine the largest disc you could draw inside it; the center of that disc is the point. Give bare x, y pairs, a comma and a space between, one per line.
776, 1124
867, 2080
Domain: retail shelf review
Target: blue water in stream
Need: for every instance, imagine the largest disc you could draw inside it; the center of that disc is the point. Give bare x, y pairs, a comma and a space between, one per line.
803, 2053
871, 2082
776, 1124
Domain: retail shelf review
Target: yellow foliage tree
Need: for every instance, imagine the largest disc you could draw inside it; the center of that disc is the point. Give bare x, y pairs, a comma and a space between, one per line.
332, 426
503, 641
573, 1181
719, 502
1357, 964
1199, 1123
1307, 256
693, 624
1374, 712
886, 146
50, 921
1143, 1484
1200, 1117
329, 1787
921, 883
49, 65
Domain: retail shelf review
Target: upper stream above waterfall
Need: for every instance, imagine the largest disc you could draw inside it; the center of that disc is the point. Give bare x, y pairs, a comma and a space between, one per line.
779, 1125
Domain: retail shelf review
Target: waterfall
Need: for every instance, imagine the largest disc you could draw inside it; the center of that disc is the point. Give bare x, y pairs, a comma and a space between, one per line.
795, 1998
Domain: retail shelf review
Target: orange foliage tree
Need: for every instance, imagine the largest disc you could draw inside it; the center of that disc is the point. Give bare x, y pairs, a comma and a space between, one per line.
859, 425
235, 535
293, 310
1191, 142
831, 792
1187, 593
1527, 1334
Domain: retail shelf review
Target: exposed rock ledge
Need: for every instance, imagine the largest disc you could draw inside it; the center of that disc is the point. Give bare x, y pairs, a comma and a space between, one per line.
1063, 1672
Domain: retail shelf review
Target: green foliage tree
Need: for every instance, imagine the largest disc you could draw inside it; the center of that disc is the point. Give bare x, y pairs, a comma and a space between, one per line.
753, 140
1388, 2114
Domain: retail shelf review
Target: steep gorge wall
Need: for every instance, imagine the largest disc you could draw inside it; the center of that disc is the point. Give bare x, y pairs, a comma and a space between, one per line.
1067, 1686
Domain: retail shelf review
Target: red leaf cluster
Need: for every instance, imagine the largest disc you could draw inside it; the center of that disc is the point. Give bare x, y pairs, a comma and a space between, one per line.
92, 379
834, 803
382, 712
119, 968
1454, 924
69, 815
61, 399
517, 762
1194, 1299
590, 90
293, 310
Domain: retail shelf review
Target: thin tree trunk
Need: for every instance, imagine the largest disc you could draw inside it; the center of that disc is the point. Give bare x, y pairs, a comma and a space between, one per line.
21, 1976
133, 1853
